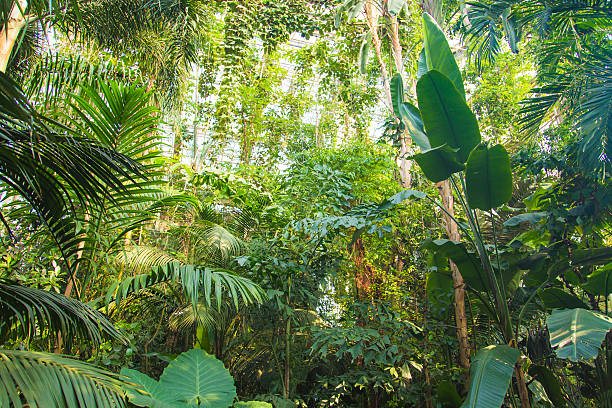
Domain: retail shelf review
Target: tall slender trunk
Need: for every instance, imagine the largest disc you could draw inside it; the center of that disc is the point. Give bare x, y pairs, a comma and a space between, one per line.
452, 231
9, 33
372, 20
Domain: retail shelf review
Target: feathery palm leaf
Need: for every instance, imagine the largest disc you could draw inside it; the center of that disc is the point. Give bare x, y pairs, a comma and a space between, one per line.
51, 170
26, 311
29, 379
195, 282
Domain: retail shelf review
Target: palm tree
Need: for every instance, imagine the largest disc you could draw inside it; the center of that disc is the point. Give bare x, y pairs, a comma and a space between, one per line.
575, 81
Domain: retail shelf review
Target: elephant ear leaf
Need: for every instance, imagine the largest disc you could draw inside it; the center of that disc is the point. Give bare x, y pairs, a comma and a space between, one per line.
149, 393
438, 55
488, 177
446, 117
490, 376
200, 379
577, 334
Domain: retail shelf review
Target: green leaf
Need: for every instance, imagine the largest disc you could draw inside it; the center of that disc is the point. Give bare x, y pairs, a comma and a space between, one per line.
411, 118
468, 263
447, 395
200, 379
577, 334
439, 288
397, 94
549, 381
29, 379
532, 218
490, 376
554, 298
438, 54
193, 379
438, 163
446, 117
252, 404
488, 177
422, 64
364, 53
150, 393
600, 281
395, 6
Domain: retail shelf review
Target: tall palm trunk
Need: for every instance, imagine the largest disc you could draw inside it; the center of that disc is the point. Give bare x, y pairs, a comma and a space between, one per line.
10, 32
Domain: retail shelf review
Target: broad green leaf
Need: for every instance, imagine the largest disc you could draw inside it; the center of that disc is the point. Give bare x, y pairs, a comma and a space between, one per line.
252, 404
468, 263
488, 177
397, 94
532, 218
422, 64
364, 53
411, 118
447, 395
438, 163
577, 334
193, 379
600, 281
395, 6
402, 196
439, 288
554, 298
150, 393
446, 117
438, 54
549, 381
490, 376
200, 380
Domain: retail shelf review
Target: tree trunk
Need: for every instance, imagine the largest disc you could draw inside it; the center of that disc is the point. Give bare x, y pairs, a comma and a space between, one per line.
9, 33
452, 231
363, 271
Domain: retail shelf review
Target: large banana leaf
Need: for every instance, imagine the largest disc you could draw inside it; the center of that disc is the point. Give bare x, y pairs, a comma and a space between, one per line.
193, 379
438, 163
488, 177
408, 113
577, 334
600, 281
490, 376
438, 55
446, 116
42, 380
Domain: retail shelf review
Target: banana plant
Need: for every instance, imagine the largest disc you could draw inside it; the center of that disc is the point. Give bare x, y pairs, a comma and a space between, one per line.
447, 132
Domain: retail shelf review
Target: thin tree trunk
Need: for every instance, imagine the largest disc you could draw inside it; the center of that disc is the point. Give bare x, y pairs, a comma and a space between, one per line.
9, 33
372, 20
452, 231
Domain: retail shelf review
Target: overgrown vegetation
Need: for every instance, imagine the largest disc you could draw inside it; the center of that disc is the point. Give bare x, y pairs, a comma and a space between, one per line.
306, 203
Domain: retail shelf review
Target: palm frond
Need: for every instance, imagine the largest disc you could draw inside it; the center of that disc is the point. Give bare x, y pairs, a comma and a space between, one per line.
141, 258
29, 379
26, 312
195, 282
51, 170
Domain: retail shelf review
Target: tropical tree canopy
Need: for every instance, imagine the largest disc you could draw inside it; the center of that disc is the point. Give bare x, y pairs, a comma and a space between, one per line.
305, 203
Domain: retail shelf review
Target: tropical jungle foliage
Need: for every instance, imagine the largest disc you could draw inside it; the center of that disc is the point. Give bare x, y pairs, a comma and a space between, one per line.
306, 203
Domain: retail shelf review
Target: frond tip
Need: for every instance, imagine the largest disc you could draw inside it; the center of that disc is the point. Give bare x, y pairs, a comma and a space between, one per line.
29, 379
